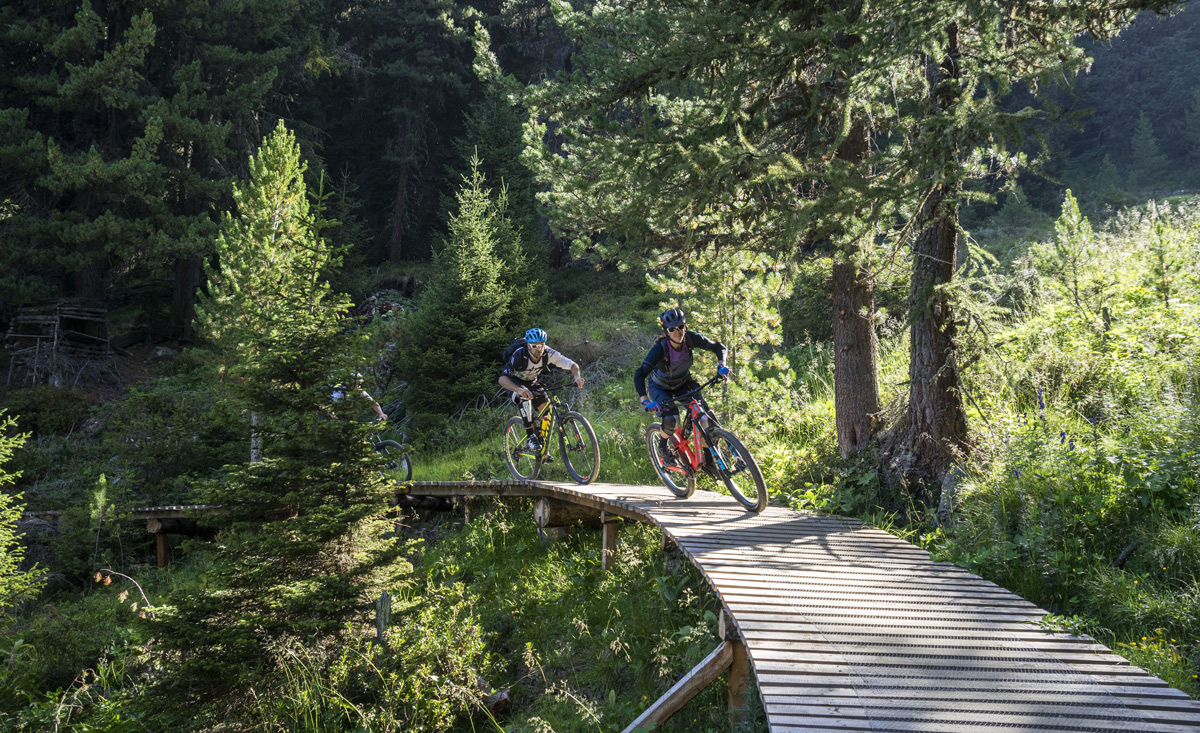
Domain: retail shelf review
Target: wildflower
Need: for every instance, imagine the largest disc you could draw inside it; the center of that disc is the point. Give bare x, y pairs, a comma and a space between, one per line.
1017, 472
1041, 404
1062, 436
1071, 444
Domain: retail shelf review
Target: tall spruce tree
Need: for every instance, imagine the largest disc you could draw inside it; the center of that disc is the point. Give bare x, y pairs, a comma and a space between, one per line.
1147, 165
492, 135
463, 322
302, 550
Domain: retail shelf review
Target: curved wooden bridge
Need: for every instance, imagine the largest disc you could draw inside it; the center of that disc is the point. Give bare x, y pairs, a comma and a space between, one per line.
848, 628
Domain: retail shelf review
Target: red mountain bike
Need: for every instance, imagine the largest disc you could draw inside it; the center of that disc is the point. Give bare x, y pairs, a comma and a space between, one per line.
706, 447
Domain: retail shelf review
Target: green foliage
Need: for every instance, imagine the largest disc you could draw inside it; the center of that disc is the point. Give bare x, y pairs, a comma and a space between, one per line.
47, 410
165, 435
432, 667
303, 548
733, 297
15, 583
454, 341
121, 128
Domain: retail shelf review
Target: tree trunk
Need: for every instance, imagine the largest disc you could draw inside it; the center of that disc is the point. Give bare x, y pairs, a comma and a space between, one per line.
855, 383
183, 297
88, 280
396, 251
856, 347
937, 421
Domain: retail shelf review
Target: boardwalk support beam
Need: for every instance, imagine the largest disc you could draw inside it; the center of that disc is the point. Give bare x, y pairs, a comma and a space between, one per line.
739, 669
685, 689
608, 555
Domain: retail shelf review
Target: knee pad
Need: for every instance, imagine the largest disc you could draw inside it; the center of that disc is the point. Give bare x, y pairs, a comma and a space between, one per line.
669, 423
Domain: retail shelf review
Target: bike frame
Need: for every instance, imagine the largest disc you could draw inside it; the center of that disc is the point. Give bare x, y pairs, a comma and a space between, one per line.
693, 447
556, 407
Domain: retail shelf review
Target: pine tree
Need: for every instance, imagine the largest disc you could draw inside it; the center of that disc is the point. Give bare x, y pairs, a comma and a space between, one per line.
1191, 127
119, 132
460, 329
493, 137
302, 550
717, 123
15, 584
1106, 186
1147, 166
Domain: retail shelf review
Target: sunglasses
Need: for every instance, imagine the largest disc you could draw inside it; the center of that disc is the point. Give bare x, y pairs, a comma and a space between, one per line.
676, 329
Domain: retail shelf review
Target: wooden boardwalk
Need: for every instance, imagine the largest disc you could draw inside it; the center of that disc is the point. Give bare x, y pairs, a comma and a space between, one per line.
850, 629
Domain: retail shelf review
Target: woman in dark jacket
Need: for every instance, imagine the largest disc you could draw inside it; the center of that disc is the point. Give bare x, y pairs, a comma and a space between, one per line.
669, 369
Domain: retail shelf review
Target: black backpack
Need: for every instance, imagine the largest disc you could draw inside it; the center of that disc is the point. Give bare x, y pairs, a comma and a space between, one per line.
512, 349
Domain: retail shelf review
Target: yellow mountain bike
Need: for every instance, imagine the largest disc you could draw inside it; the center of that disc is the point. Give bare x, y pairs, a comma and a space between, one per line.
555, 421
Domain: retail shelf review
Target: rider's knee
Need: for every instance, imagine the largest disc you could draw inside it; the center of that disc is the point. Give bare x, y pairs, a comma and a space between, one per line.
670, 422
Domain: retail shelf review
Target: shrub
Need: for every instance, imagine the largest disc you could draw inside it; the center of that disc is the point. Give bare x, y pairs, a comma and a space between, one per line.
46, 410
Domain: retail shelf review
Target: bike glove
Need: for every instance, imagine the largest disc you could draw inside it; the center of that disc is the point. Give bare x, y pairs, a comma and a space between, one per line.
723, 371
649, 404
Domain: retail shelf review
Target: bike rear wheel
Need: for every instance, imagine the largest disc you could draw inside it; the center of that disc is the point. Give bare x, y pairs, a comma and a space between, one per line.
680, 484
579, 448
523, 463
738, 470
396, 465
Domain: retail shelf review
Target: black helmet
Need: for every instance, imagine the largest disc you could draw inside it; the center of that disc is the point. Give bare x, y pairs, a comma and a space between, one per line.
672, 317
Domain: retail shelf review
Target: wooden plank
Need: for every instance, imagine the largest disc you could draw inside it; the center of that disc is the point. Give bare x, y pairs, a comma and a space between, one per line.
685, 689
912, 707
1166, 699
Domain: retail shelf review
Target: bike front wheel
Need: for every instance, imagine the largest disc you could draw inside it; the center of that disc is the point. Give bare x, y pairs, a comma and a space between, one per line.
396, 465
579, 448
680, 483
737, 469
523, 462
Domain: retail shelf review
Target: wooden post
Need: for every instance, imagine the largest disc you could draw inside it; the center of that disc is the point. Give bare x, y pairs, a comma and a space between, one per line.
739, 668
160, 541
674, 561
608, 553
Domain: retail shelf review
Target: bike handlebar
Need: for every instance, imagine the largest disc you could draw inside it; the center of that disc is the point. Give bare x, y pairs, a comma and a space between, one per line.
696, 390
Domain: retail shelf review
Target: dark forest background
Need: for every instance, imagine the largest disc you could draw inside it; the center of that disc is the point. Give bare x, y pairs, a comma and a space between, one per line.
121, 128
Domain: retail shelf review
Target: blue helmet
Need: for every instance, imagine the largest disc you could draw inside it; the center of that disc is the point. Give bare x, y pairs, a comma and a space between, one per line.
535, 336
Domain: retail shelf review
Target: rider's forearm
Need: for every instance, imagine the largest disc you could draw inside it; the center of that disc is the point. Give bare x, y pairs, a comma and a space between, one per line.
509, 384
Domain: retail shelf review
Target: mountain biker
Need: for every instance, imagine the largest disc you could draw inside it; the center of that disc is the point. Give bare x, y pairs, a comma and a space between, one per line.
520, 376
340, 392
669, 366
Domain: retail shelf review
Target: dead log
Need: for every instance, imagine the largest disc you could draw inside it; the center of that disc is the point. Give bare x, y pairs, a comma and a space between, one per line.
549, 513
